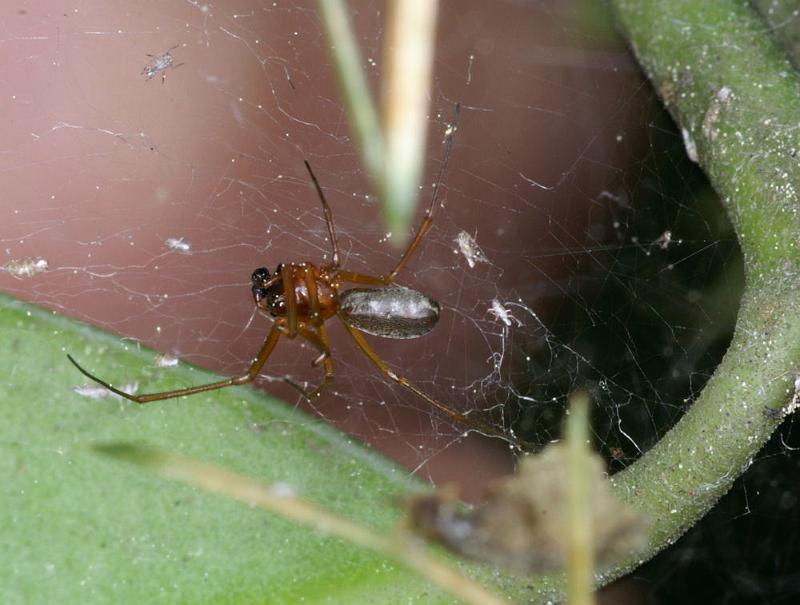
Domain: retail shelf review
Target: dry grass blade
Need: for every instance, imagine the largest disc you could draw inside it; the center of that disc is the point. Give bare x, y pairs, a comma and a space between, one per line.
282, 501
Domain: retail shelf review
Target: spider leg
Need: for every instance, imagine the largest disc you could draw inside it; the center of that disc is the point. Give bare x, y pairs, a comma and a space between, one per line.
290, 301
252, 372
360, 278
427, 221
326, 210
389, 373
320, 340
315, 315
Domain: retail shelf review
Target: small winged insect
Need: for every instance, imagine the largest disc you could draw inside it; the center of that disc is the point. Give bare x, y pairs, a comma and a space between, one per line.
159, 64
299, 298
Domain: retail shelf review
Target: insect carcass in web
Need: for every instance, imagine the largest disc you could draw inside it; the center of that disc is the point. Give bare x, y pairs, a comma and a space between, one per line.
159, 64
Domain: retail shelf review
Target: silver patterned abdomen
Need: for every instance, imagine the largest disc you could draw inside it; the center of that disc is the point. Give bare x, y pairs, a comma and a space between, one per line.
393, 312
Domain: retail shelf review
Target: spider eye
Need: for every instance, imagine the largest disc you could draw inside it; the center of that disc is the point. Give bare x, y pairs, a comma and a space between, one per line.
279, 268
260, 276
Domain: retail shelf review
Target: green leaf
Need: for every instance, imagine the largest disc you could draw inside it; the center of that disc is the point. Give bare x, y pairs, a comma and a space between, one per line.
78, 527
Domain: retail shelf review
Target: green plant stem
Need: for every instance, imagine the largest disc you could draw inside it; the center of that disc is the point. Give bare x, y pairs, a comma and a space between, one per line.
736, 99
783, 19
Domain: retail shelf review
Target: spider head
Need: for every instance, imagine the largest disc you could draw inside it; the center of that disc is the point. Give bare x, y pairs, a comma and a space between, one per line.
267, 290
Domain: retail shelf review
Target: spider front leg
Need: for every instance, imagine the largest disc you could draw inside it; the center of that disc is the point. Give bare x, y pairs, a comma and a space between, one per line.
385, 280
326, 211
266, 350
319, 338
320, 341
427, 220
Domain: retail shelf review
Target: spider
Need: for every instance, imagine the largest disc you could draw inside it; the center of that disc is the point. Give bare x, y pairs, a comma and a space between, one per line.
160, 64
301, 297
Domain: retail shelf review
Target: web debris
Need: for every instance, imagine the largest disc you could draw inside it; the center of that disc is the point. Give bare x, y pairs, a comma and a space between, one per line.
503, 314
26, 267
92, 391
165, 361
521, 524
470, 249
178, 245
160, 64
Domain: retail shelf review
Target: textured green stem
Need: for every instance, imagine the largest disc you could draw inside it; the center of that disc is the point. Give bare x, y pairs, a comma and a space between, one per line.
736, 99
783, 19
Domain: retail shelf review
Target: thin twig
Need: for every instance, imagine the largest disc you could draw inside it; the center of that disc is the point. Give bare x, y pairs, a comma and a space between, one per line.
282, 502
580, 540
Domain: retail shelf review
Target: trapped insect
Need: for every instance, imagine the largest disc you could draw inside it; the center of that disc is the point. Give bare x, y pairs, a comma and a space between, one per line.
470, 249
160, 64
178, 244
301, 297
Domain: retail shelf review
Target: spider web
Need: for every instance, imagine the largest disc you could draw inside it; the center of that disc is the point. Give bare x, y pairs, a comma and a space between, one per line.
163, 197
576, 244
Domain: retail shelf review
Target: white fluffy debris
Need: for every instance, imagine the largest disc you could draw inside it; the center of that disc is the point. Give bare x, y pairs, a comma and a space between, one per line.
664, 240
95, 391
691, 146
470, 249
178, 244
165, 361
26, 267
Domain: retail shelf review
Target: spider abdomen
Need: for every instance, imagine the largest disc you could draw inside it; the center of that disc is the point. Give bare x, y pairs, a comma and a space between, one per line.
393, 312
